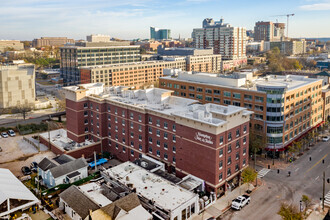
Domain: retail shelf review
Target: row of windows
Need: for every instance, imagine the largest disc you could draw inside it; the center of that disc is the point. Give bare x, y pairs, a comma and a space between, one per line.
237, 135
229, 170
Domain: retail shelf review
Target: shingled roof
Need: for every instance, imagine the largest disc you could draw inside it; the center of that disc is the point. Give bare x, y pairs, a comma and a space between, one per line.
78, 201
46, 164
69, 167
126, 203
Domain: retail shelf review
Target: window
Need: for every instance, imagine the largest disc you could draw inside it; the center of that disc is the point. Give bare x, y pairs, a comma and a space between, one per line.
216, 92
229, 148
131, 115
123, 140
86, 121
229, 136
85, 113
165, 125
220, 165
150, 140
244, 140
150, 149
248, 97
209, 91
150, 120
123, 122
174, 138
132, 143
150, 130
165, 146
140, 118
244, 129
236, 95
109, 117
86, 129
173, 159
244, 162
236, 167
237, 144
226, 102
174, 149
158, 143
208, 98
158, 133
140, 147
229, 160
123, 113
220, 177
85, 105
237, 133
140, 137
244, 151
237, 155
221, 140
140, 127
91, 105
158, 153
158, 122
228, 172
199, 89
165, 156
221, 152
109, 109
216, 100
174, 127
132, 153
227, 94
165, 135
131, 124
124, 149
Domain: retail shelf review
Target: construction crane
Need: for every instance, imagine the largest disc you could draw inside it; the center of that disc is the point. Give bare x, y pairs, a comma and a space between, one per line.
287, 22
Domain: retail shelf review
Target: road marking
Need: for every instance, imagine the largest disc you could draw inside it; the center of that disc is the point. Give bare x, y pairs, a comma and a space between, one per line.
263, 172
297, 169
316, 163
317, 177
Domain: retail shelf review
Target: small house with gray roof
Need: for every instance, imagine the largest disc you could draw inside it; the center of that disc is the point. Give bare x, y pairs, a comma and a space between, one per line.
62, 169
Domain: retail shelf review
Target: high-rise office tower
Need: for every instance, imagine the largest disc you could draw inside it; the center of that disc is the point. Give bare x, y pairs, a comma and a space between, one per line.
160, 34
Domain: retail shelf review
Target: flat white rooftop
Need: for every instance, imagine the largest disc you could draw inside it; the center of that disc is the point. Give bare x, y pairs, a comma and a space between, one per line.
244, 80
161, 100
164, 193
59, 139
94, 192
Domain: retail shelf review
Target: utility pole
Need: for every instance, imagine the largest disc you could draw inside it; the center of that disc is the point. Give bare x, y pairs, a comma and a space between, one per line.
323, 194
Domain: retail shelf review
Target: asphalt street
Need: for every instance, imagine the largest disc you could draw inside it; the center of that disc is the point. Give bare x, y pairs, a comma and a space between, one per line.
306, 179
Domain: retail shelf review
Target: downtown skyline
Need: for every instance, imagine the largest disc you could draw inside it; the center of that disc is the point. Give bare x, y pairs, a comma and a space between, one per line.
131, 19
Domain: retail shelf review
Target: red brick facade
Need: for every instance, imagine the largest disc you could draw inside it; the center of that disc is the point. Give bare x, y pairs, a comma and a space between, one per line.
128, 133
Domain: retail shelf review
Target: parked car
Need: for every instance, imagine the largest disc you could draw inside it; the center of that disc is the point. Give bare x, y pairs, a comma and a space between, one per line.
240, 202
4, 134
34, 167
325, 138
26, 171
11, 133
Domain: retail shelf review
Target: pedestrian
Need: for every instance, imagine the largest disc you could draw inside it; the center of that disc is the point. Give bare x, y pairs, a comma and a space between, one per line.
289, 173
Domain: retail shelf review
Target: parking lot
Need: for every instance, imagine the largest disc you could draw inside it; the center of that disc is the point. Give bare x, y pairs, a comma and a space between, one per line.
17, 153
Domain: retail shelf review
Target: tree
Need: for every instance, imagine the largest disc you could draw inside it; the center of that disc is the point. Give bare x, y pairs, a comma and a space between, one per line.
306, 200
289, 212
256, 143
249, 175
22, 109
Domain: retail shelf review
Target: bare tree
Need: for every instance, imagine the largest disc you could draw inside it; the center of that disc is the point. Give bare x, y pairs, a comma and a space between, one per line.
23, 109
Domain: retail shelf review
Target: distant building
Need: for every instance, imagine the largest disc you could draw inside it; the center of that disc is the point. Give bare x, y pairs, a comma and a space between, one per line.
175, 51
98, 38
160, 34
62, 169
85, 54
326, 107
268, 31
10, 44
51, 41
292, 47
228, 41
17, 85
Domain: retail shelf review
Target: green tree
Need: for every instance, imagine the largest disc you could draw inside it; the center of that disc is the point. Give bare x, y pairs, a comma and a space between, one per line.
289, 212
256, 143
306, 200
249, 175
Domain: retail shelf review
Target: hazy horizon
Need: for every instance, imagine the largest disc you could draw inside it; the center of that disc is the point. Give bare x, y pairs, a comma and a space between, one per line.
131, 19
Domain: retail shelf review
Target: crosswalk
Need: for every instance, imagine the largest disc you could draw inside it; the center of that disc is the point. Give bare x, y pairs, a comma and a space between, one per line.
263, 172
327, 199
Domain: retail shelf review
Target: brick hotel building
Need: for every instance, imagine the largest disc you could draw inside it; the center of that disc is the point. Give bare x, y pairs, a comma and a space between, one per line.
208, 141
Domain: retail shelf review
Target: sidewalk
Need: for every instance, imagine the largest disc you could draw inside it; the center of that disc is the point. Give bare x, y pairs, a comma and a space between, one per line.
224, 203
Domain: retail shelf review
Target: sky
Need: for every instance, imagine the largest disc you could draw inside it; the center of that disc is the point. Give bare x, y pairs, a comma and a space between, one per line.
131, 19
